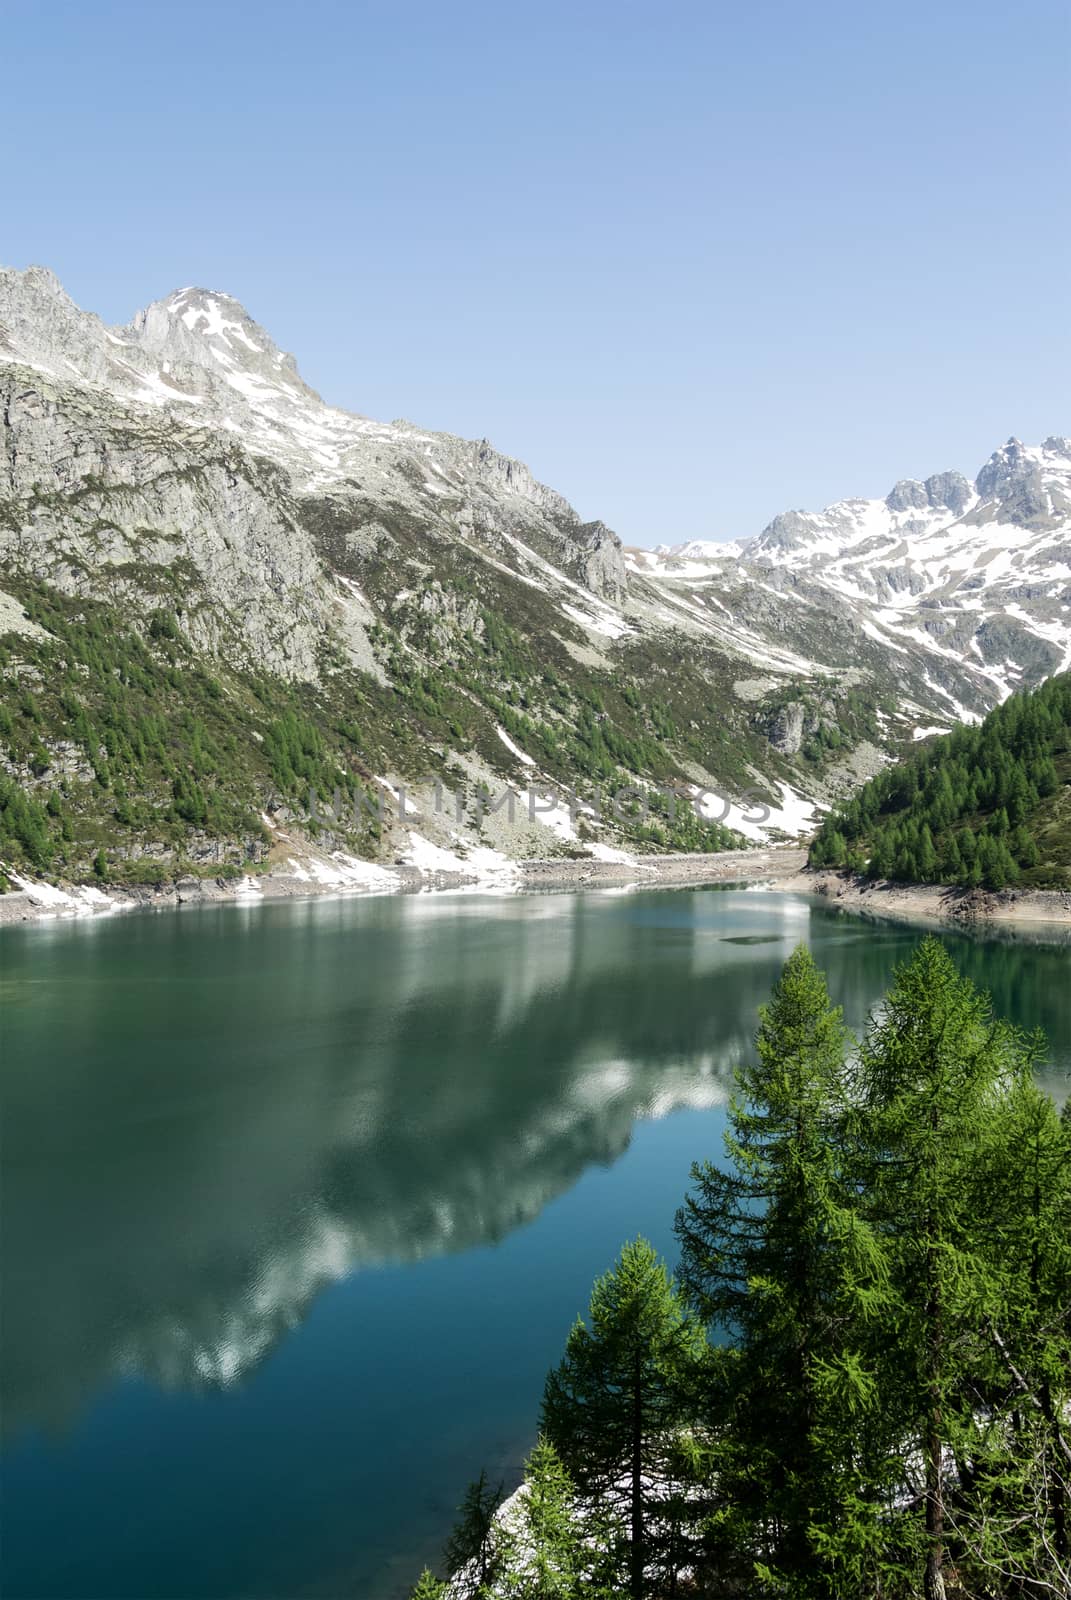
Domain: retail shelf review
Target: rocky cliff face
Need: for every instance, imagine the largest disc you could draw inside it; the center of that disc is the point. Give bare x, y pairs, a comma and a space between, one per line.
102, 501
431, 605
125, 419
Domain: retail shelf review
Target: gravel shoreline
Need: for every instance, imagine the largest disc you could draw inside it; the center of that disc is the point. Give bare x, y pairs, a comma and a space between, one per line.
39, 902
932, 902
727, 866
783, 867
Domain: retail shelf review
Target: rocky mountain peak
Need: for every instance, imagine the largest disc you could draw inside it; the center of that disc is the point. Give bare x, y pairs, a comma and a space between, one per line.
209, 327
41, 326
942, 491
948, 489
907, 494
1013, 460
43, 280
1031, 484
789, 530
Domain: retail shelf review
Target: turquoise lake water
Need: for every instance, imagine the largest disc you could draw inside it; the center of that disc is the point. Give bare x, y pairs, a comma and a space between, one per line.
299, 1202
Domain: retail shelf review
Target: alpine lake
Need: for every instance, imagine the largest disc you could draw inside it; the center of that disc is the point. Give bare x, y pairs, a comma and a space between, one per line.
300, 1200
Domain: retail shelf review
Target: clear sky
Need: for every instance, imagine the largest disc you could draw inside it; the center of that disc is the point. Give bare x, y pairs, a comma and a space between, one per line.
696, 263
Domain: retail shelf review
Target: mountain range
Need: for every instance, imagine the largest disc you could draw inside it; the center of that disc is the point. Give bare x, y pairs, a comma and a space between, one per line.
217, 592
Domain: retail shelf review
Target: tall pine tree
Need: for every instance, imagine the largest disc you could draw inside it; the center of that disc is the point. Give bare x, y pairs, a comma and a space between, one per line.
614, 1407
1013, 1516
474, 1551
933, 1071
773, 1257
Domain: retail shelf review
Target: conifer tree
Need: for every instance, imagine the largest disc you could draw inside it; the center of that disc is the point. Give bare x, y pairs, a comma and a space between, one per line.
549, 1563
887, 1259
980, 787
554, 1553
474, 1553
427, 1588
772, 1256
613, 1407
933, 1069
1015, 1518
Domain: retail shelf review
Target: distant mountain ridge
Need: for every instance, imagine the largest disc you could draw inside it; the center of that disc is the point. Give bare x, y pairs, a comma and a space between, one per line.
185, 525
972, 571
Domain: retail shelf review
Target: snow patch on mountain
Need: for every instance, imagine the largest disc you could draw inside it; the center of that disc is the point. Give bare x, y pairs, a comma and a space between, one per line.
954, 568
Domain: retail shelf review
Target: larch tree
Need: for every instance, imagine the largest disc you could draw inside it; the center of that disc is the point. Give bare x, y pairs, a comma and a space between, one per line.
775, 1260
1013, 1515
474, 1551
427, 1587
555, 1552
616, 1405
933, 1070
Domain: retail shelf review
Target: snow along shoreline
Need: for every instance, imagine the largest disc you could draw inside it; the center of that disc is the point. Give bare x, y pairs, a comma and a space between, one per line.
486, 872
339, 875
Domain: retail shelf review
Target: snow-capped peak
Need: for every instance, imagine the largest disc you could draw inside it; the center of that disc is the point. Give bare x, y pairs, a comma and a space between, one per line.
207, 329
216, 316
973, 579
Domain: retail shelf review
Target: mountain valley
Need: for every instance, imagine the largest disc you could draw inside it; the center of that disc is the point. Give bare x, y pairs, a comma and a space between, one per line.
222, 597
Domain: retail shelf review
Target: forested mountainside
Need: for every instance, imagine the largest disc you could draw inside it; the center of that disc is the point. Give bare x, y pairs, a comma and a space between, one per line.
218, 593
987, 805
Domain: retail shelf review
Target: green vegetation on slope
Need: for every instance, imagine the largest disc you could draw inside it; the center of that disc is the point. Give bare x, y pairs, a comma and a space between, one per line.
127, 756
987, 805
881, 1264
128, 759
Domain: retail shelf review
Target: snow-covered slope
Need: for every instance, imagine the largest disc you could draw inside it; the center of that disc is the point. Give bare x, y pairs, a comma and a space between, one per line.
975, 573
180, 463
199, 358
200, 353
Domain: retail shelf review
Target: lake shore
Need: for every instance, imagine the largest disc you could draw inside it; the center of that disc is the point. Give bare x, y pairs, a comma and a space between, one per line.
932, 902
780, 866
316, 877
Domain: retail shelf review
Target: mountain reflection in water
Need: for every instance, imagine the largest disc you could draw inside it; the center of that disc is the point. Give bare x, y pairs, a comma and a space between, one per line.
209, 1118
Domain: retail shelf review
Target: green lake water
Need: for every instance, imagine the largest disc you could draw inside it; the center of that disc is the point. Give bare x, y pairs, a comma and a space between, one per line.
299, 1202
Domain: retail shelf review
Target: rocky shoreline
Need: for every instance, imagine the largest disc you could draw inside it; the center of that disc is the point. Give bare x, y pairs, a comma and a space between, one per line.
342, 875
770, 865
933, 902
780, 866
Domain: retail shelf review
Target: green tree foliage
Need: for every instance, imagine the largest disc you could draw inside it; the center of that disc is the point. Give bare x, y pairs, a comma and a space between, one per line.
964, 809
165, 750
1023, 1190
427, 1588
161, 749
883, 1265
541, 1546
773, 1257
553, 1552
615, 1405
26, 836
547, 1559
935, 1073
474, 1554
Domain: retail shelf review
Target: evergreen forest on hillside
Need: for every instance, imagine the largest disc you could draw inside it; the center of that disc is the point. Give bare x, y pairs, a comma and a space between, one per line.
981, 806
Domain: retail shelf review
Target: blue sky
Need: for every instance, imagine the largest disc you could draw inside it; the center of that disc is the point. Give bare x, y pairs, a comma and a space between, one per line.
694, 263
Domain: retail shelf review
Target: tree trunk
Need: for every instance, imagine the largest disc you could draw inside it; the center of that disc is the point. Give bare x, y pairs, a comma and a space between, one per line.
1055, 1467
636, 1552
934, 1584
1048, 1409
